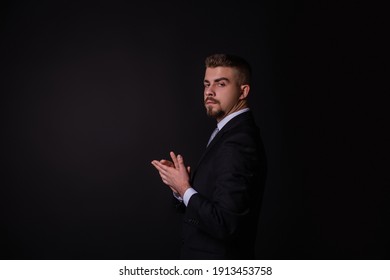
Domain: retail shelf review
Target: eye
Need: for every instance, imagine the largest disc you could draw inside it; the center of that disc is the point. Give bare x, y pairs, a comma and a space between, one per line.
206, 85
221, 84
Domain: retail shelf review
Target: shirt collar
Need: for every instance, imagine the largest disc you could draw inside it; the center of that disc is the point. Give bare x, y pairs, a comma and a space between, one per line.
226, 119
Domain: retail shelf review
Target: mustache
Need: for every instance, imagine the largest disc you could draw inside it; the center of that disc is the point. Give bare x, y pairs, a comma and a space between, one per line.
210, 99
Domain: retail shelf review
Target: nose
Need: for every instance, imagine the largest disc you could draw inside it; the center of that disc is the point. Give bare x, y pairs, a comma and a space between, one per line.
209, 91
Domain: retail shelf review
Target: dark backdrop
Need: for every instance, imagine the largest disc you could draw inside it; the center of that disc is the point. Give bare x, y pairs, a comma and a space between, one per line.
92, 92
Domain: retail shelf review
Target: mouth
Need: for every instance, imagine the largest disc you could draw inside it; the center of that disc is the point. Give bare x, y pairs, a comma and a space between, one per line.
210, 101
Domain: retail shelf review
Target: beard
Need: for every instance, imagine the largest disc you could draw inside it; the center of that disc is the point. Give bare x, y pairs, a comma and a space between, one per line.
214, 113
211, 111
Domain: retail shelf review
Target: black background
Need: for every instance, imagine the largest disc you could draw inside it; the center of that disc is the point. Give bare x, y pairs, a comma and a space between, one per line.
91, 92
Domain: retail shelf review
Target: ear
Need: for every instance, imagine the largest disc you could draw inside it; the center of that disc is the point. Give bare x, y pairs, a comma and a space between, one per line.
244, 91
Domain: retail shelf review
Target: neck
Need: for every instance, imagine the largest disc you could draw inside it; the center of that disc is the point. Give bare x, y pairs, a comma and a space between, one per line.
239, 106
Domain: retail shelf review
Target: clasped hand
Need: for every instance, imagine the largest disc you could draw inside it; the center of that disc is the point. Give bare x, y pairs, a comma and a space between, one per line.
174, 173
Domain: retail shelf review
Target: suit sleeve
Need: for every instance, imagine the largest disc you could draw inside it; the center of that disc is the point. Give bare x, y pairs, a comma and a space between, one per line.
234, 167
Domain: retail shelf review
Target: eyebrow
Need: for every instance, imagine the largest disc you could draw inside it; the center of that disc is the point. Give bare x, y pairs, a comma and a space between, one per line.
218, 80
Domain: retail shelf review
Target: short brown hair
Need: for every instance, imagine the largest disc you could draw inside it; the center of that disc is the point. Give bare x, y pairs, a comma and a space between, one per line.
234, 61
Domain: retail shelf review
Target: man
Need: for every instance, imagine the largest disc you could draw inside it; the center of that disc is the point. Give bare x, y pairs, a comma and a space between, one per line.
222, 199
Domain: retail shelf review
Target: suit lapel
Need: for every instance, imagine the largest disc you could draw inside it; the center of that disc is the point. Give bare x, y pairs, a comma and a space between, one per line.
233, 122
212, 143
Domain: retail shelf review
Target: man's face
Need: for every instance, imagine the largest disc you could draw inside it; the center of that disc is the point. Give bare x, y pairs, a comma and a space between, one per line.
222, 93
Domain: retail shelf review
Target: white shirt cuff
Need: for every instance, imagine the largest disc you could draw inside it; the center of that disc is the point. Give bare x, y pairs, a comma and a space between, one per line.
187, 195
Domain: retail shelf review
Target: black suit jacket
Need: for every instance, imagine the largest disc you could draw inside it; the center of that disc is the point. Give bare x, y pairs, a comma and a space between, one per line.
220, 221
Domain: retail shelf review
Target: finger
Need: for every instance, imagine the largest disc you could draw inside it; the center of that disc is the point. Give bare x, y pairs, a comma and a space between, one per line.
166, 182
174, 159
181, 162
160, 167
164, 178
167, 162
154, 163
159, 164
